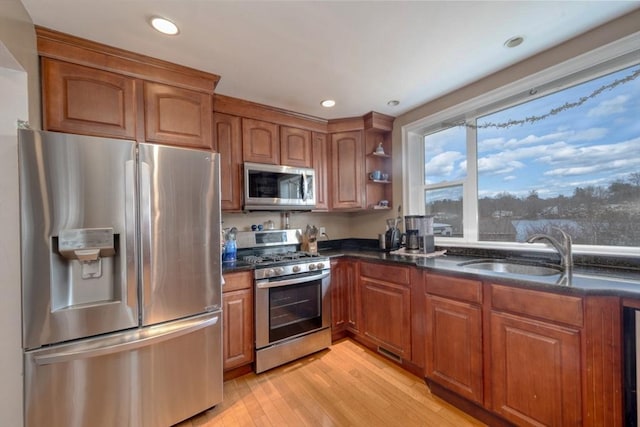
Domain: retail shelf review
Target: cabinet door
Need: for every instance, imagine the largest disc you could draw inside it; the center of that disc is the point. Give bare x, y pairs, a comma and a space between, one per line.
347, 170
260, 142
386, 315
238, 325
339, 302
227, 142
535, 371
453, 346
87, 101
177, 116
237, 328
321, 166
353, 296
295, 147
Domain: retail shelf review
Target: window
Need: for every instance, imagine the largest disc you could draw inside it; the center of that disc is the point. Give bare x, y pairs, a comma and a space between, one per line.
444, 174
487, 179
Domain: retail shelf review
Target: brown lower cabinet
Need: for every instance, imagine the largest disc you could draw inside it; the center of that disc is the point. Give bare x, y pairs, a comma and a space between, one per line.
535, 356
453, 335
385, 293
535, 371
238, 327
344, 297
528, 356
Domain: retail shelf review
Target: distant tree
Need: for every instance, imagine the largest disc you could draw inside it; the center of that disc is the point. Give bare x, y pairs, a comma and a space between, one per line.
634, 178
532, 204
621, 191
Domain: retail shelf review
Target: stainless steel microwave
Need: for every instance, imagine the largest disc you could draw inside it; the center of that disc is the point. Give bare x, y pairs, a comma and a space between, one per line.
273, 187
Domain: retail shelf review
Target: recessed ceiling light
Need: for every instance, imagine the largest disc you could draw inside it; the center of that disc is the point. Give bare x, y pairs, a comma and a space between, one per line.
328, 103
393, 103
164, 26
514, 41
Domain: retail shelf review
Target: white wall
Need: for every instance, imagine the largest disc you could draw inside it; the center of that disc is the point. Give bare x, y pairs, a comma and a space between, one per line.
13, 106
19, 99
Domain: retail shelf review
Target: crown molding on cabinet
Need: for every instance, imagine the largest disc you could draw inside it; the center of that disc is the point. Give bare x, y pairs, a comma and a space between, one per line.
65, 47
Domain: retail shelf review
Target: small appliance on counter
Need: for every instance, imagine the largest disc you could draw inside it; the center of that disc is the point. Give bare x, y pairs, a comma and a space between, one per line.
392, 235
426, 239
412, 225
419, 229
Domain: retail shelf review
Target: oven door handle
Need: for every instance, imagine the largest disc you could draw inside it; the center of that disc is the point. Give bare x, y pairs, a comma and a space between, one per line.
265, 284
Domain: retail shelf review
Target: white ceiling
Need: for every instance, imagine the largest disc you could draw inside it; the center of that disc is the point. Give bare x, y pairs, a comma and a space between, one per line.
293, 54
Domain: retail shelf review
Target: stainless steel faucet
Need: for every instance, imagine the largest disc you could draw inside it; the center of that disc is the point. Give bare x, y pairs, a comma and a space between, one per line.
563, 247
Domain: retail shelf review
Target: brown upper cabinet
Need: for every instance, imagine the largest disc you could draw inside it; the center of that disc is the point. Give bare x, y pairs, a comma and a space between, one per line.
260, 142
227, 141
354, 159
93, 89
319, 150
266, 142
84, 100
295, 147
177, 116
347, 170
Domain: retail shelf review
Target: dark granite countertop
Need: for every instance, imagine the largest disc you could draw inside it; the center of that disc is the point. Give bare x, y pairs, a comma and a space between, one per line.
600, 278
232, 267
593, 276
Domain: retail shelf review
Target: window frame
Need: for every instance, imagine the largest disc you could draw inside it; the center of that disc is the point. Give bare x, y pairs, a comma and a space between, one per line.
593, 64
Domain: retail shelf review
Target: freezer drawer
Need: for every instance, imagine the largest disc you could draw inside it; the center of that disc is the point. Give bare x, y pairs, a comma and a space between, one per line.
155, 377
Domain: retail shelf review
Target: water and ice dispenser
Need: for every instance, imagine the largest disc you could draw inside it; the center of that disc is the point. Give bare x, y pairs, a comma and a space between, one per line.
86, 272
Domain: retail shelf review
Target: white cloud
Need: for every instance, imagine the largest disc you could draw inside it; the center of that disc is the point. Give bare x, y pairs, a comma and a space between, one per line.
443, 164
591, 134
600, 167
497, 165
509, 178
602, 156
609, 107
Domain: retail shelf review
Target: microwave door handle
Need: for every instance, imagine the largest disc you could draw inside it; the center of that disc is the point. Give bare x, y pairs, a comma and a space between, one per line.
304, 187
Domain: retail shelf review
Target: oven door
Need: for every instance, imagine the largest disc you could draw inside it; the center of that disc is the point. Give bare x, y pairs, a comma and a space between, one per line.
291, 307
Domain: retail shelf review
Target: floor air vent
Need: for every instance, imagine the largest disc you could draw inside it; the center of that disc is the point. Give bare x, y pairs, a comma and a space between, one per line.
390, 355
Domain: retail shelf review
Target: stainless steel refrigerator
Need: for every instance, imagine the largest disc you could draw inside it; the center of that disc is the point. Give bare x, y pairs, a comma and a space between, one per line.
121, 281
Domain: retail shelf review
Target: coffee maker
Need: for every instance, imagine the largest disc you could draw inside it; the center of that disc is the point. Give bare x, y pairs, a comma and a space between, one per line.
419, 233
412, 227
426, 240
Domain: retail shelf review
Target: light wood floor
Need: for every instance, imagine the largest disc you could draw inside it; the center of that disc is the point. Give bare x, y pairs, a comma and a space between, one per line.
346, 385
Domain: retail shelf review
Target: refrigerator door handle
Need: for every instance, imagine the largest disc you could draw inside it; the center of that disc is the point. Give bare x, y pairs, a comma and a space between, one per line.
144, 171
139, 342
131, 274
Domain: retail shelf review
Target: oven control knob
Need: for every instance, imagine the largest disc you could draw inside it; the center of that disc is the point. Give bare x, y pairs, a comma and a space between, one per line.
312, 266
296, 268
270, 272
320, 265
279, 270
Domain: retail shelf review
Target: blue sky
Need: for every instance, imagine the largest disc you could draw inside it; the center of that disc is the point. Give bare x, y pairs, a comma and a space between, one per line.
593, 144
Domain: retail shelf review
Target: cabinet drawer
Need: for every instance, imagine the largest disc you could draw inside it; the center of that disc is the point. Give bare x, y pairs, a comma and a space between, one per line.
236, 281
454, 287
385, 272
544, 305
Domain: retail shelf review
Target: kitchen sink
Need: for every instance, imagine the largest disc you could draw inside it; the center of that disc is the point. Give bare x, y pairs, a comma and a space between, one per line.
514, 267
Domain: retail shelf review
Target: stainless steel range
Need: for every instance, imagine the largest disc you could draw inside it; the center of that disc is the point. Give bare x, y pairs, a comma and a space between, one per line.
292, 308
